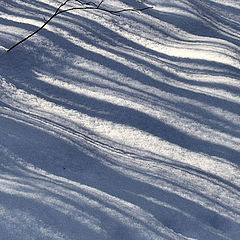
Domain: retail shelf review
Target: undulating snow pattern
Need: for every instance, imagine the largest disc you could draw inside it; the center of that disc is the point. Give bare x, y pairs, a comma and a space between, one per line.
120, 128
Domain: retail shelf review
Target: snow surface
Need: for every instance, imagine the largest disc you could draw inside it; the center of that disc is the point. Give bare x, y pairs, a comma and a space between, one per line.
120, 128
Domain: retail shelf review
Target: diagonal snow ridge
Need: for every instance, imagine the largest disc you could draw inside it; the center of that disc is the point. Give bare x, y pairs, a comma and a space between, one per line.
120, 128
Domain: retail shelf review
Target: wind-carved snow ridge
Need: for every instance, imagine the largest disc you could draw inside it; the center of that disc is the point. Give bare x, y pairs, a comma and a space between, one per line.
120, 128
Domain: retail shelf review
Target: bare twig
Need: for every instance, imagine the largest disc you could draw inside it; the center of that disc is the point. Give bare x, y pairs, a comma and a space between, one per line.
84, 6
100, 4
58, 9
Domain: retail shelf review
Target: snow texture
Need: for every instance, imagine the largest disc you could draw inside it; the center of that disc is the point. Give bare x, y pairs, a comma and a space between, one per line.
120, 128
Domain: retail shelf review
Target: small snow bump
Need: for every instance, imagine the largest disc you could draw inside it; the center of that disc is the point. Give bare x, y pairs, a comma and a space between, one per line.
2, 50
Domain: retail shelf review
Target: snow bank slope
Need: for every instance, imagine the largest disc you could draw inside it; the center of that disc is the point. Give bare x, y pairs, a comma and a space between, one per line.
120, 128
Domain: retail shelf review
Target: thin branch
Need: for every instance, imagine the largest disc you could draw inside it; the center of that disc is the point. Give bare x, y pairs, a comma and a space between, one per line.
85, 6
58, 9
130, 10
75, 8
26, 38
114, 12
100, 4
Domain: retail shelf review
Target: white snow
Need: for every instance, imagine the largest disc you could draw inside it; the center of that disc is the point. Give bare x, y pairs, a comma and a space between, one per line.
120, 128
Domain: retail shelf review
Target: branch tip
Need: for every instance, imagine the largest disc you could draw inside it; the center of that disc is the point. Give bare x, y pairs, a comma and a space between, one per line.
100, 4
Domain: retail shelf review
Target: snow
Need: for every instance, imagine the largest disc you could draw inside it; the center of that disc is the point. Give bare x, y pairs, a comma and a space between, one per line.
120, 128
